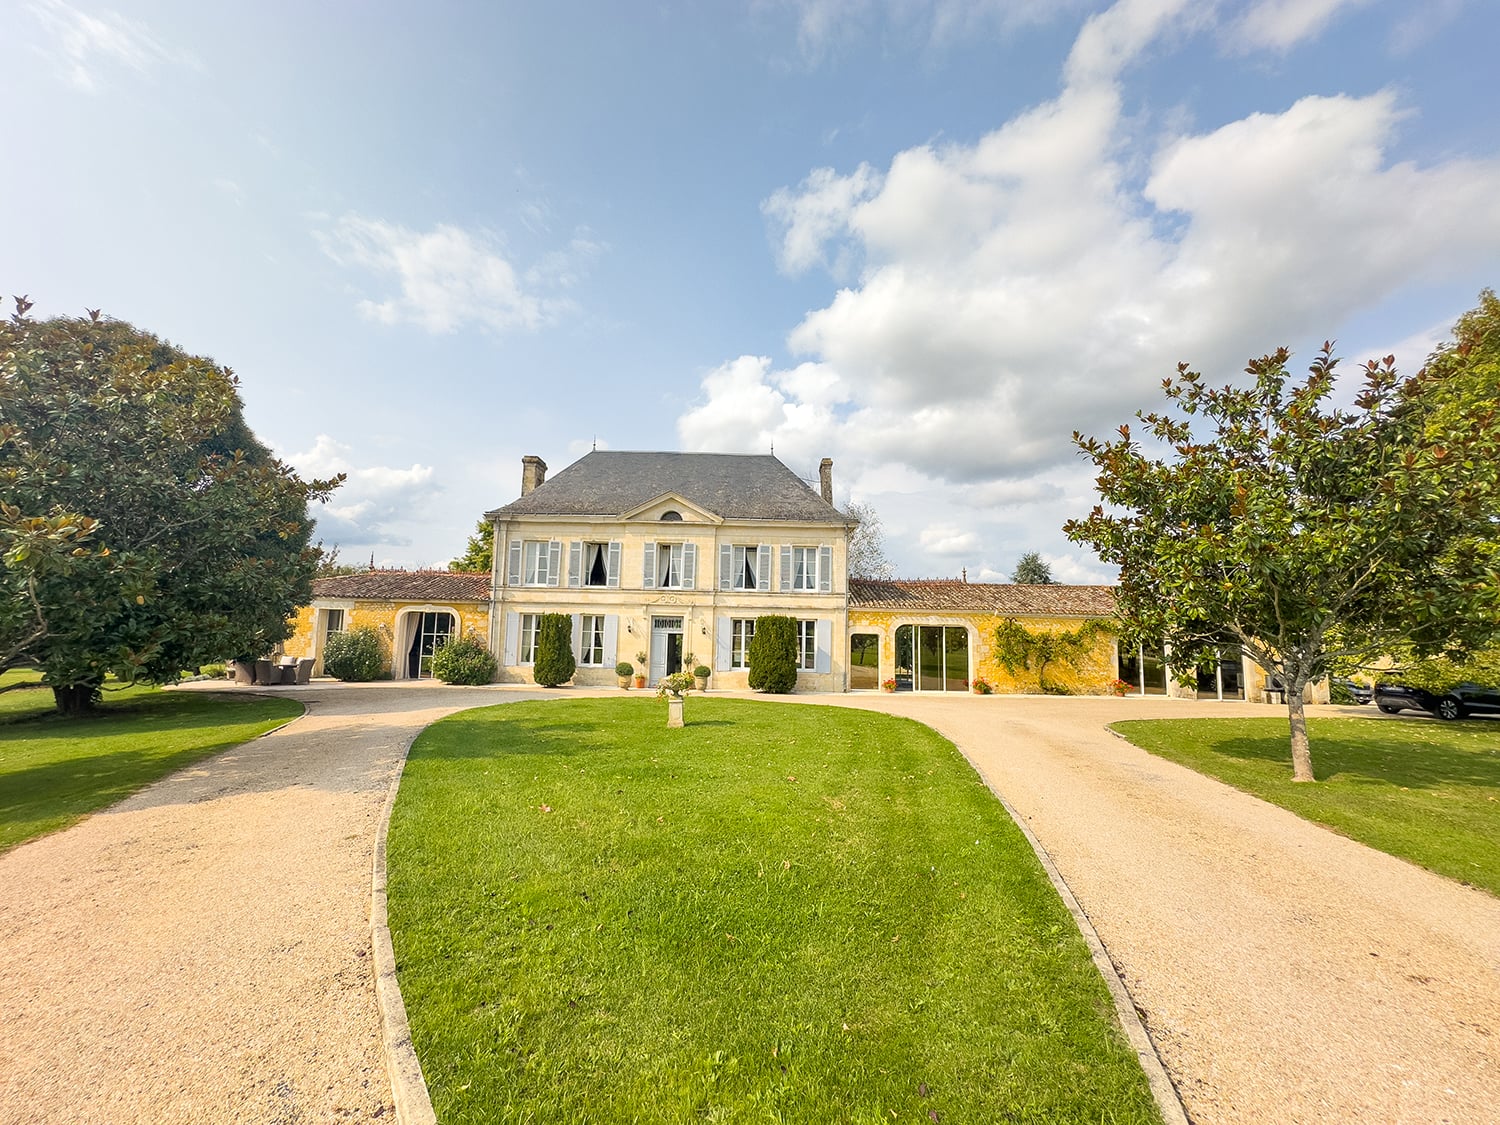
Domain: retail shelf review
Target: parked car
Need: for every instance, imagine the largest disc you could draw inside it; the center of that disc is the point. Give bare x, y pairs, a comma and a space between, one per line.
1456, 703
1360, 693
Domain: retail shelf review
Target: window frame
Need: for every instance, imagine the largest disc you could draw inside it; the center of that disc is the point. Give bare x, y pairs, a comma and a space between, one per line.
807, 646
741, 633
591, 640
526, 648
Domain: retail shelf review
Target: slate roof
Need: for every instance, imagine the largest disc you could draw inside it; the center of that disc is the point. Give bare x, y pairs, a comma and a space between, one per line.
731, 485
935, 596
406, 586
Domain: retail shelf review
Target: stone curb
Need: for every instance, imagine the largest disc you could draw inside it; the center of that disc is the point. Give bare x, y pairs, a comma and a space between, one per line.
1162, 1089
408, 1087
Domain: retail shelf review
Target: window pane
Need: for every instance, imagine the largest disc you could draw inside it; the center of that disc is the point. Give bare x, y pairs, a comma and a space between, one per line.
864, 661
930, 658
956, 647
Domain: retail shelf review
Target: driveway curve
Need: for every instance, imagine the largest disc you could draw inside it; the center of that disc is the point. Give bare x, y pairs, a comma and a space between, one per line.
1285, 973
201, 951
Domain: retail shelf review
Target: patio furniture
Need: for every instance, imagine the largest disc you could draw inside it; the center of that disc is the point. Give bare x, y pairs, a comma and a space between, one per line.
304, 671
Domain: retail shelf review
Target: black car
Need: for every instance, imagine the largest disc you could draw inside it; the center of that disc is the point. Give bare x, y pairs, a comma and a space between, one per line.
1360, 693
1455, 703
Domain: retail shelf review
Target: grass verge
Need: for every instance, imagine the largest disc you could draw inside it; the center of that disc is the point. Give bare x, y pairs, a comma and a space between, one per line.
1421, 790
776, 913
54, 771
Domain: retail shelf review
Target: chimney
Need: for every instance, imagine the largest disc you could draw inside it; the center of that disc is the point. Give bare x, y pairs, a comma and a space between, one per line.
825, 478
533, 473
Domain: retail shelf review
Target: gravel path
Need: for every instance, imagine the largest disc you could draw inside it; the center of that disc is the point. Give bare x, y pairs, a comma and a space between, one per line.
1286, 974
201, 952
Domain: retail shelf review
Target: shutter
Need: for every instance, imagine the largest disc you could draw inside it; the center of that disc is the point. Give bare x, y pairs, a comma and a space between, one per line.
825, 569
575, 563
613, 579
763, 567
554, 562
577, 634
512, 639
723, 641
823, 638
515, 562
726, 567
611, 639
786, 569
648, 571
689, 565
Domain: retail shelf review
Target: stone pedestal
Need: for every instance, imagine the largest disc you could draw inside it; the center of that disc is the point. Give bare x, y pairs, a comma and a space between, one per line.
674, 710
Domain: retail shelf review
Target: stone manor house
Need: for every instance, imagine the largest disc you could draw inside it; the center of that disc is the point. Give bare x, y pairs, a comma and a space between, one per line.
665, 560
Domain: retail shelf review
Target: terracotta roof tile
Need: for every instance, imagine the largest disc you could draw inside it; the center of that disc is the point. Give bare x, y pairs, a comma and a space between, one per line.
983, 597
406, 586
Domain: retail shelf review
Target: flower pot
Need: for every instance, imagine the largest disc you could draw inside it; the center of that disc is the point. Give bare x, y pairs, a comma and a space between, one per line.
702, 682
640, 681
624, 682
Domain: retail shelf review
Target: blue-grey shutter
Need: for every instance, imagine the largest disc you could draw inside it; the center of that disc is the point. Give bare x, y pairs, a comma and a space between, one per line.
611, 640
515, 562
577, 635
823, 639
512, 639
613, 580
554, 562
825, 569
763, 567
726, 567
689, 565
648, 570
723, 643
786, 568
575, 563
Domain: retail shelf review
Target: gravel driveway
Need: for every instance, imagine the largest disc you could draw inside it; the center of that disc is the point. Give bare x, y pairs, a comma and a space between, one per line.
201, 951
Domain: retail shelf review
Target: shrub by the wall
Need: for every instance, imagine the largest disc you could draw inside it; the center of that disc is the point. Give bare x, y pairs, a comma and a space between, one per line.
355, 654
554, 650
773, 654
464, 660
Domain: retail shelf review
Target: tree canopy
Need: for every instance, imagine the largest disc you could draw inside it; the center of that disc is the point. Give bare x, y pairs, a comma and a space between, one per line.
867, 557
145, 530
478, 556
1032, 570
1306, 532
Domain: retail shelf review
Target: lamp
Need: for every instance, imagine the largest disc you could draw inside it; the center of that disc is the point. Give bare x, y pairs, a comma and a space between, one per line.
705, 630
628, 629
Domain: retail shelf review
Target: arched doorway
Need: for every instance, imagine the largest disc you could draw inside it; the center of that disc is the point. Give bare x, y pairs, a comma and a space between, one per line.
421, 633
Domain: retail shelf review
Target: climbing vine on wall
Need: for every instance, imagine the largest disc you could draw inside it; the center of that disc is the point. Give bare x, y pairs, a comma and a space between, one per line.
1019, 649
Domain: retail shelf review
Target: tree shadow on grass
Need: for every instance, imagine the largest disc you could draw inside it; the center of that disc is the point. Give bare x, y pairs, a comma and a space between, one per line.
1377, 760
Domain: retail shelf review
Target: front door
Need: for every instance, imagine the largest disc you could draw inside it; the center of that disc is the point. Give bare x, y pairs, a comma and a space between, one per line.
666, 647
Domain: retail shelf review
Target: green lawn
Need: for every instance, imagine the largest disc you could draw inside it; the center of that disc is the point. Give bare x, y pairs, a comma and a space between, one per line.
55, 771
1419, 789
777, 913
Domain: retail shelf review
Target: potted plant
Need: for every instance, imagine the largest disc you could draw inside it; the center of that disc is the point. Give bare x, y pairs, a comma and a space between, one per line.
626, 671
888, 685
701, 674
673, 688
640, 677
1119, 687
981, 686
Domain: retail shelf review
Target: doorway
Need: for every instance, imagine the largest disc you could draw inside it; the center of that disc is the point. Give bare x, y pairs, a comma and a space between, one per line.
429, 632
864, 661
932, 658
666, 647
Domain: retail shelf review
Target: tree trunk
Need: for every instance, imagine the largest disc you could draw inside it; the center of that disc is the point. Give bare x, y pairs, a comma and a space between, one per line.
75, 700
1301, 755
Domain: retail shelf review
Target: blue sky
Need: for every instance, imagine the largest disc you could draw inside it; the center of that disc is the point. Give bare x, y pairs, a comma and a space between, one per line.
928, 239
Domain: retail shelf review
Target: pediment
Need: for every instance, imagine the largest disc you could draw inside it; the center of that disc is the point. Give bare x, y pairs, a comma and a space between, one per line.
653, 510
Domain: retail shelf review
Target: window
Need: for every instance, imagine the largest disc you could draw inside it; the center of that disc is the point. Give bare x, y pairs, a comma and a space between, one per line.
335, 621
596, 564
534, 565
669, 566
742, 629
744, 568
807, 645
591, 640
528, 637
804, 569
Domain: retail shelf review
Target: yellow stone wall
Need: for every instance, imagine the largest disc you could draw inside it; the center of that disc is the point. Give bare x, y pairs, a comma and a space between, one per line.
1092, 675
307, 637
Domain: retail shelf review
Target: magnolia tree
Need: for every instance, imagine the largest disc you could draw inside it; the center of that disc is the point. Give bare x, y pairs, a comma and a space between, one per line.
144, 529
1306, 532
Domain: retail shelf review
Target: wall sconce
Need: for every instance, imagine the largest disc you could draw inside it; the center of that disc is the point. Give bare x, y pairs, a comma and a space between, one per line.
705, 630
628, 629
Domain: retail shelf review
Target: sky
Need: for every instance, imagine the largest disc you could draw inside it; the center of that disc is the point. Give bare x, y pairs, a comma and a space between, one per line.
929, 239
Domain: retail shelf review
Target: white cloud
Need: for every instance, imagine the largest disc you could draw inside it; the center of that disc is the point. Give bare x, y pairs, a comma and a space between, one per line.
947, 540
824, 26
1282, 24
87, 45
450, 277
1046, 277
372, 501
